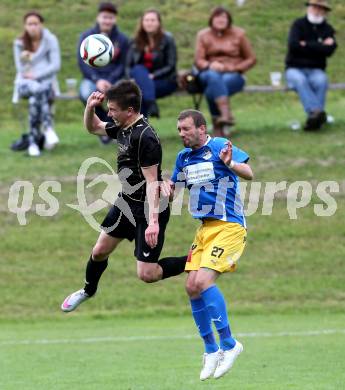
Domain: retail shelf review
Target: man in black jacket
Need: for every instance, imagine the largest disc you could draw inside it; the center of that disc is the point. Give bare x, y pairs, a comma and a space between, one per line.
311, 41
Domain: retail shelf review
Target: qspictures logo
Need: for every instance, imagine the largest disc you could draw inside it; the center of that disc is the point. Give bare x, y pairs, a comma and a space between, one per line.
250, 197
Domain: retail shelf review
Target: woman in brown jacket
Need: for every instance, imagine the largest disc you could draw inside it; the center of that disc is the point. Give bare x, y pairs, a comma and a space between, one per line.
223, 53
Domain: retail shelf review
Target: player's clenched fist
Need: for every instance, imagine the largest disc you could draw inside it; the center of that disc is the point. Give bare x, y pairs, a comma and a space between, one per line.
167, 188
95, 99
151, 234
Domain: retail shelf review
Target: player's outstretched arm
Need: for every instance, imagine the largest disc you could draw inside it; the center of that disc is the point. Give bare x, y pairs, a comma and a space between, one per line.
152, 192
242, 170
91, 121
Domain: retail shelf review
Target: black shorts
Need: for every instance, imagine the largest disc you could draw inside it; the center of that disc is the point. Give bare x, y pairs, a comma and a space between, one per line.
117, 225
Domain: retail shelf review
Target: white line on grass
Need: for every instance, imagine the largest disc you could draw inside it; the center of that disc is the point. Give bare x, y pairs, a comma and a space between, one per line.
168, 337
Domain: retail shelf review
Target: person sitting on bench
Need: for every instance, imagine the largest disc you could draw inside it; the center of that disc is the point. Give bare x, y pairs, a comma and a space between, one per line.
223, 54
311, 41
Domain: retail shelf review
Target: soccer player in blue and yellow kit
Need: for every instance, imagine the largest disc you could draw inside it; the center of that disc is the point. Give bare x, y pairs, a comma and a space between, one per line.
210, 168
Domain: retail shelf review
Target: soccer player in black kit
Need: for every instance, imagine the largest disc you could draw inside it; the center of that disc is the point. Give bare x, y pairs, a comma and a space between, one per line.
135, 215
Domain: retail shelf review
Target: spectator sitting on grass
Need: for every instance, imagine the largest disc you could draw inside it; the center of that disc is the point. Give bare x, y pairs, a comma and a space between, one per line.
151, 61
311, 41
37, 60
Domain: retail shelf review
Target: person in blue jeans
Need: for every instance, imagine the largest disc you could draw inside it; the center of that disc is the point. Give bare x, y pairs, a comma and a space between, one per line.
223, 54
311, 41
101, 79
151, 61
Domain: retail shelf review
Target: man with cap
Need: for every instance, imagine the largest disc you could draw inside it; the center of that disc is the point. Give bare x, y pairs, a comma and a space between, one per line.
100, 79
311, 41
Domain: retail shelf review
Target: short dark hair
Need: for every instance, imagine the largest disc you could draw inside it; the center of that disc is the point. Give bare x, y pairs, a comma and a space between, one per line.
197, 116
125, 93
107, 6
218, 11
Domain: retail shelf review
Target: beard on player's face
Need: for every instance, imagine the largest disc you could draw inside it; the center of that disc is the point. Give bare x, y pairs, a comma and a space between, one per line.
191, 139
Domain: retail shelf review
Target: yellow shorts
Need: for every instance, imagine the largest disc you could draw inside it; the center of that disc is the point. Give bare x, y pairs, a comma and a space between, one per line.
217, 245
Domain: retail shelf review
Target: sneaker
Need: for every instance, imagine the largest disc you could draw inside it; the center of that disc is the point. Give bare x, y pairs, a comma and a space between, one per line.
50, 139
74, 300
323, 117
227, 359
210, 362
21, 144
34, 150
314, 121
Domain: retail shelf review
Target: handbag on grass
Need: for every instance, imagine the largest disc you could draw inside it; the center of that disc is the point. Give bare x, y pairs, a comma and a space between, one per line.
190, 81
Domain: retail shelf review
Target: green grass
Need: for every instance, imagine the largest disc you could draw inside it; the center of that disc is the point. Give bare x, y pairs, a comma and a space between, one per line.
290, 277
165, 353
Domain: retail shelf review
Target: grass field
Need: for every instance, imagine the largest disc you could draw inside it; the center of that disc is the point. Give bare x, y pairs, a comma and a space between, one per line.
282, 352
280, 253
286, 301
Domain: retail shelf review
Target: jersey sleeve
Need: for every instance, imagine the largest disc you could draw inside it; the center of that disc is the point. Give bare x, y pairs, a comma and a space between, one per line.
238, 155
150, 149
178, 174
112, 130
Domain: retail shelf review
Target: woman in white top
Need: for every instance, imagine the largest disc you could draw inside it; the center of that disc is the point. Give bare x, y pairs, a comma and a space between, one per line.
37, 59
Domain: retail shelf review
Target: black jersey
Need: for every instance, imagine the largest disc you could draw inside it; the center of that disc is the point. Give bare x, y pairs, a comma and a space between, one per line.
138, 147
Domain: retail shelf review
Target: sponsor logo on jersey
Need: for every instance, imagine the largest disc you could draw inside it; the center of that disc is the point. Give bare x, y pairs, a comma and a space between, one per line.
207, 155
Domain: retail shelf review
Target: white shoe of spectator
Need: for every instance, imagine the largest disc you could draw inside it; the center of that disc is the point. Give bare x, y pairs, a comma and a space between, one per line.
34, 150
50, 139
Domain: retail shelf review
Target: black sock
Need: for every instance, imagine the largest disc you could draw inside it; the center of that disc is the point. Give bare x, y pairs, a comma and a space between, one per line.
94, 270
172, 266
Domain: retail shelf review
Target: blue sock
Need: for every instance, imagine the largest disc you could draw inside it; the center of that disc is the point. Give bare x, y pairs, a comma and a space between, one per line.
203, 322
216, 307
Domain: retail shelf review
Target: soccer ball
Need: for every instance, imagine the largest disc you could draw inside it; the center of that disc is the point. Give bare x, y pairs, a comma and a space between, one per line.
96, 50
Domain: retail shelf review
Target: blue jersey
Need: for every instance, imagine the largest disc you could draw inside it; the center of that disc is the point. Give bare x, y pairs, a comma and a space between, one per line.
214, 187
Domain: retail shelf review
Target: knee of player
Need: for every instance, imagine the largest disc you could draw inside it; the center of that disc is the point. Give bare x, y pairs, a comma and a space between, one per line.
192, 289
147, 276
201, 284
99, 252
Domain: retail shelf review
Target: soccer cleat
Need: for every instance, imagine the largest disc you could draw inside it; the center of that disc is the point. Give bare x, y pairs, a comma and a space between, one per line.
210, 362
74, 300
34, 150
227, 359
50, 139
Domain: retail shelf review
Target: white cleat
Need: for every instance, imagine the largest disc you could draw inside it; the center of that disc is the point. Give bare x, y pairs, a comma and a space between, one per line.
227, 359
34, 150
74, 300
210, 362
50, 139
